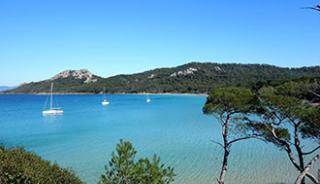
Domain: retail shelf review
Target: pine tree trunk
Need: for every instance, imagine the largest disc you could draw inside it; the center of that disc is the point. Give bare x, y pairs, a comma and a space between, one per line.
299, 150
224, 167
305, 171
226, 148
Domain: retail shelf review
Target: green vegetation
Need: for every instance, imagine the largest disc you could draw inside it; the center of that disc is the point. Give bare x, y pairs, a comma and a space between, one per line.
18, 166
279, 113
289, 115
230, 105
188, 78
123, 169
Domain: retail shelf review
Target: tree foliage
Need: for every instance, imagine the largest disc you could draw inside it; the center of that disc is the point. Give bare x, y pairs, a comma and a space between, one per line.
290, 113
279, 112
230, 105
18, 166
316, 7
230, 100
123, 169
294, 102
304, 89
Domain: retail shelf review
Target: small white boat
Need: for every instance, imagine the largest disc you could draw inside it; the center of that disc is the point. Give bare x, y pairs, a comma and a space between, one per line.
104, 101
148, 99
52, 110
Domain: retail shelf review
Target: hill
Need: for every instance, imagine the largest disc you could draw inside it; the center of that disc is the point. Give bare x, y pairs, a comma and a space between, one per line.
4, 88
189, 78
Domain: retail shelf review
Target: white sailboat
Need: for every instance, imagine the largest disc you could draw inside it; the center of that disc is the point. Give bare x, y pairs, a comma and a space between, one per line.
148, 99
52, 110
104, 101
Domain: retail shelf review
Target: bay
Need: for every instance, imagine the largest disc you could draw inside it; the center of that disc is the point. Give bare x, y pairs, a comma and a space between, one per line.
171, 126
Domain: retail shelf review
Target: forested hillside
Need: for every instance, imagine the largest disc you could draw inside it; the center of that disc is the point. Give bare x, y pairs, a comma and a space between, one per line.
188, 78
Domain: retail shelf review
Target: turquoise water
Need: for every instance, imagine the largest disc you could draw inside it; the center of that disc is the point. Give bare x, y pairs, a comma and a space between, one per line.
171, 126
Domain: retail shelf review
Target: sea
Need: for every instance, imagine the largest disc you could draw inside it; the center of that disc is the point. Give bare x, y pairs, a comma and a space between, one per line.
170, 126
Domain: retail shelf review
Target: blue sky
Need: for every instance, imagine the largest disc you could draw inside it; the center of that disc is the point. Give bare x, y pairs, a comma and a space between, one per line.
41, 38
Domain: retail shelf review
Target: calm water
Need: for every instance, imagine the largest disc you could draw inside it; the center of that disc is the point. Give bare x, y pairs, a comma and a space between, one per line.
171, 126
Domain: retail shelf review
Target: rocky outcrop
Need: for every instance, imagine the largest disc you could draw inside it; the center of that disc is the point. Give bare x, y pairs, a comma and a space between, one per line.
77, 74
188, 71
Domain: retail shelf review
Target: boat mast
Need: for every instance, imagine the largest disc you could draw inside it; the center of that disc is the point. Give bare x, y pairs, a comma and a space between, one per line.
51, 97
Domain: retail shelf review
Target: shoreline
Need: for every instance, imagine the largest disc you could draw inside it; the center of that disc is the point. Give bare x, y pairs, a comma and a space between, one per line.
75, 93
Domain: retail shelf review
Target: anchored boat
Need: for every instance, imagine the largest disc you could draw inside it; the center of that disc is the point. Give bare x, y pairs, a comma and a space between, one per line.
52, 110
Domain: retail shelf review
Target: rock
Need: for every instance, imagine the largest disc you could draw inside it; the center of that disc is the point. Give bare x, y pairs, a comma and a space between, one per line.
151, 76
77, 74
188, 71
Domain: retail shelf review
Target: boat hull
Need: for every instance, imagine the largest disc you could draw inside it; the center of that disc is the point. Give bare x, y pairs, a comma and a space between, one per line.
52, 112
105, 103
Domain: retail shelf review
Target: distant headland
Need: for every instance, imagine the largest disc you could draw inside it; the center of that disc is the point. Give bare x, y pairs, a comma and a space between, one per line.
191, 78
